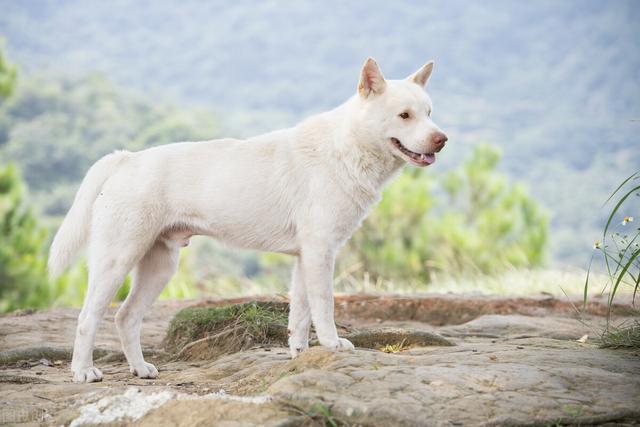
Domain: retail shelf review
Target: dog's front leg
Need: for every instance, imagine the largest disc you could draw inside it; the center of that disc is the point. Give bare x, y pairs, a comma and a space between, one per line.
316, 267
299, 313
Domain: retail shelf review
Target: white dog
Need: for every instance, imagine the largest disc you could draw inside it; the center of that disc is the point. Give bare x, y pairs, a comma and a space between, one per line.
300, 191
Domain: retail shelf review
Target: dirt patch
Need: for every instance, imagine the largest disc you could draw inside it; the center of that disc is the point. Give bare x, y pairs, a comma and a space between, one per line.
442, 310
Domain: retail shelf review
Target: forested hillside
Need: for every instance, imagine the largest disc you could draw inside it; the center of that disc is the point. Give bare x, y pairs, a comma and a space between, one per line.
556, 85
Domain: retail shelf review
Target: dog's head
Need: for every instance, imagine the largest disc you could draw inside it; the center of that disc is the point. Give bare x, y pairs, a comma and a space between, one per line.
397, 114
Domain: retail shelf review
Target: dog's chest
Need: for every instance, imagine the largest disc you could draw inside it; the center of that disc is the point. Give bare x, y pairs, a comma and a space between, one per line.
350, 211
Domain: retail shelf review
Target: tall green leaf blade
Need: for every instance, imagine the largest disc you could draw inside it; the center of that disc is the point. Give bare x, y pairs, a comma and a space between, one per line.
615, 210
620, 276
629, 178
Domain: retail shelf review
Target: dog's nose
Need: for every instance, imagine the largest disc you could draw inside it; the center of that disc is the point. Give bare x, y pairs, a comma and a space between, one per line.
439, 139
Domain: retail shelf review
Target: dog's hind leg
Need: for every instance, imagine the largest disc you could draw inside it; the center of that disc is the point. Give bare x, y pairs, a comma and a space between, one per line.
299, 313
149, 278
109, 263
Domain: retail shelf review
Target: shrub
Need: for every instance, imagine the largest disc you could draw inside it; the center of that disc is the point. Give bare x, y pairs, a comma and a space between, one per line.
23, 275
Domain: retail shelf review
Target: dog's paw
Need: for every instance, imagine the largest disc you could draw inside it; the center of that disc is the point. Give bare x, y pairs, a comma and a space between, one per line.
296, 348
146, 370
87, 375
341, 344
345, 344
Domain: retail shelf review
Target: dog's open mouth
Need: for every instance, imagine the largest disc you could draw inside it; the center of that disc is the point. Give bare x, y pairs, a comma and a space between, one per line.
420, 159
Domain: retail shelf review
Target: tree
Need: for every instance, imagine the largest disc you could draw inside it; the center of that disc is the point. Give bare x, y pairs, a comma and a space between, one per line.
23, 274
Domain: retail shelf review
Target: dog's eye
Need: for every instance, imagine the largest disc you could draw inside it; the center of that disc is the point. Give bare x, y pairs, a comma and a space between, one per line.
404, 115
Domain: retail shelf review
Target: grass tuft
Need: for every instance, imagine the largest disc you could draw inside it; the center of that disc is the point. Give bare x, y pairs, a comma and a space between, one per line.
255, 322
394, 348
624, 337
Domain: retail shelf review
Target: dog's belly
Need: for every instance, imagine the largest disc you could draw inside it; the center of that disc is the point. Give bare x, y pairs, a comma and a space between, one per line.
267, 243
259, 228
236, 235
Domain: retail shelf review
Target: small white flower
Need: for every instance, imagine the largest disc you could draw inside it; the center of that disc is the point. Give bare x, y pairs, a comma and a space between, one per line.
596, 245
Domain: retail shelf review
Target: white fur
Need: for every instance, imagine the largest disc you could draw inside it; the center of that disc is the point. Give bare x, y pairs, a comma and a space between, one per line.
300, 191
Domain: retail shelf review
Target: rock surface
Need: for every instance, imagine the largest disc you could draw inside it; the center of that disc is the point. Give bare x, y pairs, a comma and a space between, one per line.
520, 365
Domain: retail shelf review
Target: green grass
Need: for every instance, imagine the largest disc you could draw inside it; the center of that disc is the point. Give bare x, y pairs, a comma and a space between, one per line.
625, 336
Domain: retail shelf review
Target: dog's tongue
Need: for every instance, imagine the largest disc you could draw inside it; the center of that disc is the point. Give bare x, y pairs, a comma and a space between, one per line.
428, 158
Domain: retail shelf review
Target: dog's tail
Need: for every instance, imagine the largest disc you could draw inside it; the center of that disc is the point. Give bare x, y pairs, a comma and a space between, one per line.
74, 230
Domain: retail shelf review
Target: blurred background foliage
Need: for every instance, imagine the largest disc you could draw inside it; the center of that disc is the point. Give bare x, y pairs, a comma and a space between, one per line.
23, 275
554, 87
7, 76
471, 220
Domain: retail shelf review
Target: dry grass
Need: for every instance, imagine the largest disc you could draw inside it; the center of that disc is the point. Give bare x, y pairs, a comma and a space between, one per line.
232, 327
394, 348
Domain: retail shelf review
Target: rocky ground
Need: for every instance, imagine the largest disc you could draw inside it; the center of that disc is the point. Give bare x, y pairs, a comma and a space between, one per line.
436, 360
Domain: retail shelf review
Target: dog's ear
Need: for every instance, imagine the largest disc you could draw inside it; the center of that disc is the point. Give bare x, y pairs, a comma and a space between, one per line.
421, 76
371, 79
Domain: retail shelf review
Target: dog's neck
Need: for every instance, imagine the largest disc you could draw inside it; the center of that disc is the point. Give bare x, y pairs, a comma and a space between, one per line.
359, 155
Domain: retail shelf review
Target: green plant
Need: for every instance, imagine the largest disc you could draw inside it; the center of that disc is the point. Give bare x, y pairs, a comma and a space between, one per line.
620, 249
620, 245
